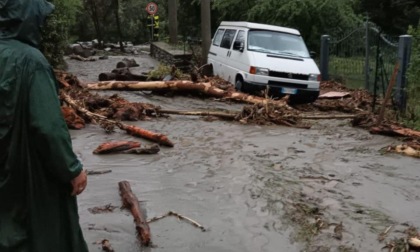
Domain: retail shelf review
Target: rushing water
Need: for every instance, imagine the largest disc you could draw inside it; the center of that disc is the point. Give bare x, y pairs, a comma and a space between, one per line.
236, 180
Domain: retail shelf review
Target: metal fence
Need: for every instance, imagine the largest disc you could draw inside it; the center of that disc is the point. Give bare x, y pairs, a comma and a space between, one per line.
366, 58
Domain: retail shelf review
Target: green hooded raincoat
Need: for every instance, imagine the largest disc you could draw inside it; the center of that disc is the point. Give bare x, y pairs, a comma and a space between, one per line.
37, 163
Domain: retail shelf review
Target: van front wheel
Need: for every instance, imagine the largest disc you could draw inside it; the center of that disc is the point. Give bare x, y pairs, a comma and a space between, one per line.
240, 85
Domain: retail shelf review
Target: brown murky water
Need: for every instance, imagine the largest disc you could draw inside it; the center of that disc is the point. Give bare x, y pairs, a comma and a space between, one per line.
240, 180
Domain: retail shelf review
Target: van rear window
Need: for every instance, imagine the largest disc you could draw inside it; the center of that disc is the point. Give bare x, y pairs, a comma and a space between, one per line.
228, 39
218, 37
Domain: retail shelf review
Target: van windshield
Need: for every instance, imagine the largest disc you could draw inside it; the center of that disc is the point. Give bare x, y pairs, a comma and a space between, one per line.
277, 43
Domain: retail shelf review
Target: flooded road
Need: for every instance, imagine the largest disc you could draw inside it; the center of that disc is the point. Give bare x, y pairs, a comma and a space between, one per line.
246, 184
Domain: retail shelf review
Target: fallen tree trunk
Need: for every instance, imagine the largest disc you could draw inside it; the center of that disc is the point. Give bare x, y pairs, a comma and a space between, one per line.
131, 202
122, 74
202, 87
80, 58
127, 63
227, 115
130, 129
392, 130
405, 150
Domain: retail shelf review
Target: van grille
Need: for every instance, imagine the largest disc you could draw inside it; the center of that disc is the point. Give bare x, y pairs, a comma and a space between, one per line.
286, 85
288, 75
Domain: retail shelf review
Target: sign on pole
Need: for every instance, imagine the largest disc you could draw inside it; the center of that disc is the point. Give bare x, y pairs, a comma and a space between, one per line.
152, 8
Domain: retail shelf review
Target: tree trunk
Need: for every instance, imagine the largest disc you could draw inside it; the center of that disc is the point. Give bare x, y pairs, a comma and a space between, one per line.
95, 19
173, 21
131, 202
117, 19
205, 30
205, 88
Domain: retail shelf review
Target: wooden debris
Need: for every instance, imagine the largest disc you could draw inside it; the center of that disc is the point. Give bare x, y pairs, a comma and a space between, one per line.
201, 87
127, 63
179, 216
106, 246
80, 58
334, 95
116, 146
405, 150
383, 234
103, 209
89, 172
414, 242
388, 94
131, 202
73, 120
148, 149
393, 130
130, 129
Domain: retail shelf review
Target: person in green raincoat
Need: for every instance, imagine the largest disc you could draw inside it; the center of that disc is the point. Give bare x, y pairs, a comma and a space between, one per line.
40, 175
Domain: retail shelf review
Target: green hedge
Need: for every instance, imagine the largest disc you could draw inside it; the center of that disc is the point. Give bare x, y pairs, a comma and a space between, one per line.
413, 106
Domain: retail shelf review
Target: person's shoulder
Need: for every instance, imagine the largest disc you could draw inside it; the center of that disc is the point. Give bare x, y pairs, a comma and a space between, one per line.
28, 56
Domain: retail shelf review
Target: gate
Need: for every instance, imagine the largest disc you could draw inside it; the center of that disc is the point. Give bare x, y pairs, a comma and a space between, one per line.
364, 58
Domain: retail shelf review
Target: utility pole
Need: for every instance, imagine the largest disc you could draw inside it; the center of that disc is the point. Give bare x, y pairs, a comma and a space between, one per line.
205, 29
173, 21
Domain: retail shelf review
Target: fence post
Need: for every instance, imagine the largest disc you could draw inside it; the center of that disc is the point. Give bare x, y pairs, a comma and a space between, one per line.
367, 67
404, 53
325, 54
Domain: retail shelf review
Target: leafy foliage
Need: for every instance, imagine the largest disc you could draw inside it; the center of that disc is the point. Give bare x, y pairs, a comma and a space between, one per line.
413, 108
56, 29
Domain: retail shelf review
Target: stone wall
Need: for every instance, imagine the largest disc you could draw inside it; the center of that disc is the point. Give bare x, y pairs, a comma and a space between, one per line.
168, 55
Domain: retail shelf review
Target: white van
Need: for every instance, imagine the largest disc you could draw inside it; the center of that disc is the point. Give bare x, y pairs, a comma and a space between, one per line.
256, 56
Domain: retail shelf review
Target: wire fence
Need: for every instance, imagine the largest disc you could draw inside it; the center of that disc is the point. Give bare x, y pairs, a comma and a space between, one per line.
363, 58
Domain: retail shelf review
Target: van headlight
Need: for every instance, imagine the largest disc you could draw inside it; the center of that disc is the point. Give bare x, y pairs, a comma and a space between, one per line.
314, 77
259, 70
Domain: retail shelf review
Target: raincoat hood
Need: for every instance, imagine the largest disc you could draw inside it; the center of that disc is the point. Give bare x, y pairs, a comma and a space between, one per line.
22, 19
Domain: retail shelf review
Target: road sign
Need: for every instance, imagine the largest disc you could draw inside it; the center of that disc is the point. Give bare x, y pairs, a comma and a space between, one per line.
152, 8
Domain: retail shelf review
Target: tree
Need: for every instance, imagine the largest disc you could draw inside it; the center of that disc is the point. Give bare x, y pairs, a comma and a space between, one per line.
205, 29
173, 21
55, 33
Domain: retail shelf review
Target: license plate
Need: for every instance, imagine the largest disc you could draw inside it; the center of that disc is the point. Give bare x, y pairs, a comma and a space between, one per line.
288, 90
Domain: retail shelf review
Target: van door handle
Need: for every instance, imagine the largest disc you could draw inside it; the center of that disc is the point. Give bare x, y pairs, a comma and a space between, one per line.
227, 54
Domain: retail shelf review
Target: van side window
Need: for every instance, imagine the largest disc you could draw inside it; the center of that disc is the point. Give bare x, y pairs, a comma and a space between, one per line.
218, 37
240, 40
228, 39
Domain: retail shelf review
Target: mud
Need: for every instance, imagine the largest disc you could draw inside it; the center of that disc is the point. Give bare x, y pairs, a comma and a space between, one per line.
254, 188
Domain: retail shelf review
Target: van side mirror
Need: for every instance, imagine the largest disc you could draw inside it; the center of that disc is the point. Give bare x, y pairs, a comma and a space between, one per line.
238, 45
312, 54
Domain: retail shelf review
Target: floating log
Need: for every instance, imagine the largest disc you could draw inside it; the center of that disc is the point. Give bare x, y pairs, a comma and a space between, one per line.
73, 120
116, 146
89, 172
227, 115
392, 130
131, 202
388, 94
106, 246
130, 129
405, 150
151, 149
202, 87
127, 63
80, 58
122, 74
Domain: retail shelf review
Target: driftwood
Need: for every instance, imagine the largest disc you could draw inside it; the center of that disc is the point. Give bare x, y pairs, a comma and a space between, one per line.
127, 63
181, 217
117, 146
392, 130
405, 150
202, 87
149, 149
122, 74
131, 202
80, 58
73, 120
89, 172
106, 246
130, 129
388, 94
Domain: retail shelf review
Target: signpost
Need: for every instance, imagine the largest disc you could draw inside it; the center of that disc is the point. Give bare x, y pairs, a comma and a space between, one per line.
152, 9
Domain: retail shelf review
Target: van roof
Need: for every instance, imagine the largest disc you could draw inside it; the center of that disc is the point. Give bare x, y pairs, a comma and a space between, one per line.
250, 25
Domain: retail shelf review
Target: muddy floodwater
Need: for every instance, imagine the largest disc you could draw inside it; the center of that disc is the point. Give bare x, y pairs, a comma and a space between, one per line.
246, 184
